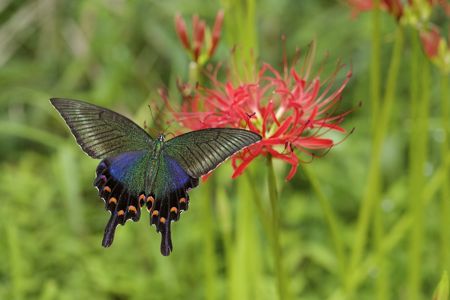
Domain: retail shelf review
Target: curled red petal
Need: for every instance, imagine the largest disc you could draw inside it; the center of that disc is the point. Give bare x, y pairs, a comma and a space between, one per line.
180, 28
216, 32
242, 166
313, 143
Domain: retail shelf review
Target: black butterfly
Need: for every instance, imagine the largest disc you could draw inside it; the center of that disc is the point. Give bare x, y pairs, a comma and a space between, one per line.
138, 170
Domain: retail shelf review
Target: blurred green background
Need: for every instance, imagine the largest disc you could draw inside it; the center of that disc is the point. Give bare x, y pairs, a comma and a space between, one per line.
117, 54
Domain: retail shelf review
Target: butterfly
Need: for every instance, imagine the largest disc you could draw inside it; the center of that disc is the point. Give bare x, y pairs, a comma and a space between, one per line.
138, 170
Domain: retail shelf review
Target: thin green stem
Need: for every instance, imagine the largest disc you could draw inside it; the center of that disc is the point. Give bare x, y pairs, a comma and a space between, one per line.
246, 252
445, 192
332, 221
16, 260
209, 236
402, 226
241, 34
195, 72
382, 281
264, 215
370, 195
375, 65
276, 244
224, 221
419, 142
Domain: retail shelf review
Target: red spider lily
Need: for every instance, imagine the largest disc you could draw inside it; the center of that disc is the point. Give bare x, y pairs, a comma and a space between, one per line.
430, 41
290, 111
394, 7
199, 49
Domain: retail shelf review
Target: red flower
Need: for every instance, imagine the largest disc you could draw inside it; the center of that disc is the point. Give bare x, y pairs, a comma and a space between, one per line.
394, 7
430, 41
289, 110
197, 46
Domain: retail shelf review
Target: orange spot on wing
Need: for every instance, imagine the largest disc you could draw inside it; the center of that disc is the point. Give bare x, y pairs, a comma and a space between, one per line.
174, 209
112, 200
120, 213
155, 213
150, 199
162, 220
182, 200
107, 189
132, 209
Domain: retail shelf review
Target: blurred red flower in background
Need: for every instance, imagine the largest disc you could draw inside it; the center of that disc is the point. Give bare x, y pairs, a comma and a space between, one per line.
430, 41
394, 7
200, 49
417, 14
289, 110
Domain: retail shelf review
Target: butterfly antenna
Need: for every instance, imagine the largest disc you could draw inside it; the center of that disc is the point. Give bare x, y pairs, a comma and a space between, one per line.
153, 132
151, 113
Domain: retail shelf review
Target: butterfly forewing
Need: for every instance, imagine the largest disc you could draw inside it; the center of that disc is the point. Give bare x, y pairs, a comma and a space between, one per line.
200, 151
101, 132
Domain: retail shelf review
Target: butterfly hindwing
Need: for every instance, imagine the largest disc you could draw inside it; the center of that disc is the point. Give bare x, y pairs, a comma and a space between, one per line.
198, 152
171, 198
100, 132
120, 181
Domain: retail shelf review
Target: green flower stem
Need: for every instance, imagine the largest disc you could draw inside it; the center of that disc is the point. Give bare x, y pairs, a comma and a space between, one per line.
224, 223
382, 281
276, 244
401, 228
16, 261
331, 221
195, 71
240, 32
418, 157
246, 268
209, 236
375, 65
445, 192
264, 215
370, 200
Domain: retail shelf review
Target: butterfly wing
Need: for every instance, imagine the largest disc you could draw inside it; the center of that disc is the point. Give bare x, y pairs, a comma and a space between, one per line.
183, 160
198, 152
170, 197
100, 132
121, 184
124, 148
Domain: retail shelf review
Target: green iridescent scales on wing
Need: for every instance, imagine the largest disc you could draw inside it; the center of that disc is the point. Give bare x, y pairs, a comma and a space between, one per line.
138, 171
201, 151
131, 168
100, 132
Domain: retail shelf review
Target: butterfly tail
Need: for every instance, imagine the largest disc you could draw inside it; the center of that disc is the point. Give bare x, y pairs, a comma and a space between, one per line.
166, 239
110, 229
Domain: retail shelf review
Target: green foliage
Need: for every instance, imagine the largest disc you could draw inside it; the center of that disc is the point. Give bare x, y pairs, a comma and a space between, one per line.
370, 220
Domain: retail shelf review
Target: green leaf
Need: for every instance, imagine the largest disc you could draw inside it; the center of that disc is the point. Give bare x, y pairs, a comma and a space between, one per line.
441, 292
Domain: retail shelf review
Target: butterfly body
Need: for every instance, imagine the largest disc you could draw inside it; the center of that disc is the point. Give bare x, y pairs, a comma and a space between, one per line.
140, 172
